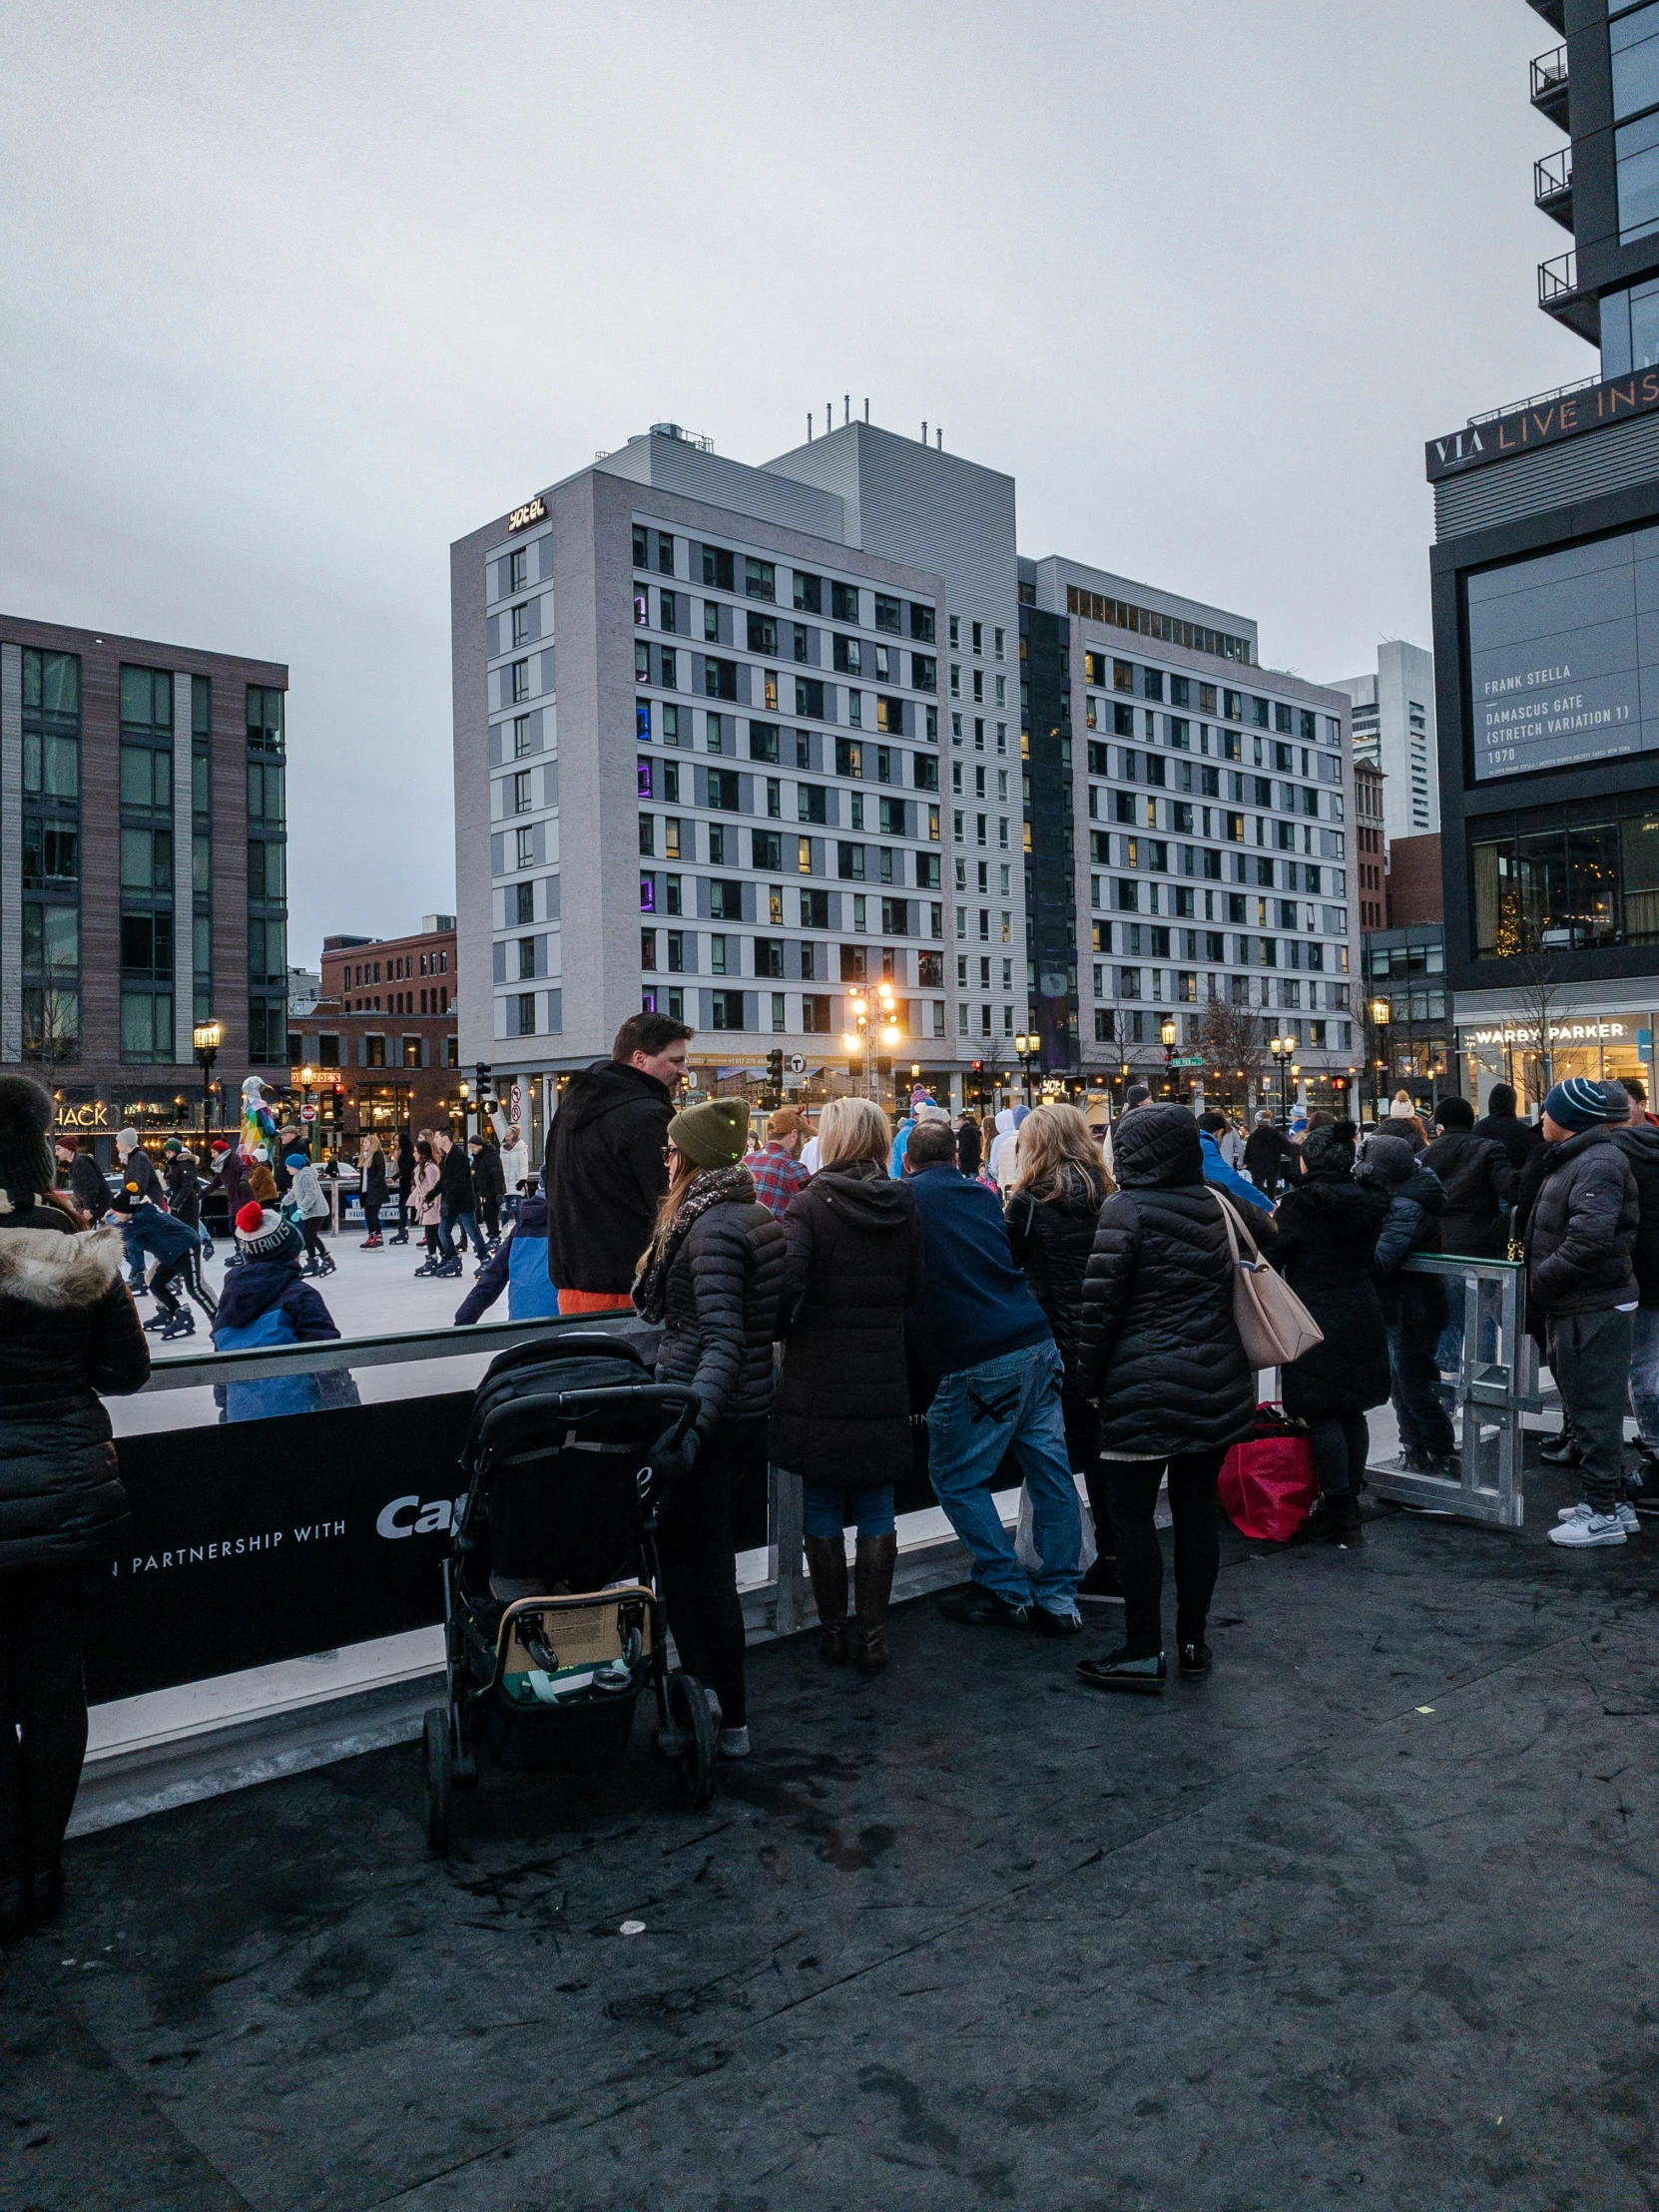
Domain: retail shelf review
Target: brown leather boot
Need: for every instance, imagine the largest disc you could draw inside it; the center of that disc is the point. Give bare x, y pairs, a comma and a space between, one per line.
873, 1576
827, 1563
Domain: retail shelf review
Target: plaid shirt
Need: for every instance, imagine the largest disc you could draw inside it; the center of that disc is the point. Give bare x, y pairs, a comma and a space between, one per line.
777, 1177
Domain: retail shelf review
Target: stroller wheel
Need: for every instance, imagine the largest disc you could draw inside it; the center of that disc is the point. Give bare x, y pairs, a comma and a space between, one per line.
439, 1777
693, 1721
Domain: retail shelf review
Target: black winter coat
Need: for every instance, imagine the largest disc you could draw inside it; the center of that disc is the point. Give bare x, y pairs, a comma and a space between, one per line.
88, 1188
1479, 1183
853, 1265
68, 1329
605, 1174
1051, 1239
1270, 1157
374, 1181
1413, 1225
455, 1195
184, 1191
1639, 1142
1583, 1231
721, 1310
139, 1167
487, 1178
1327, 1243
1158, 1343
1516, 1139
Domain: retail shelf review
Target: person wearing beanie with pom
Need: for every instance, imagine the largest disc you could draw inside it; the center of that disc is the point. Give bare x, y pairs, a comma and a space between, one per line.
69, 1336
1580, 1246
1414, 1306
1326, 1250
712, 1278
265, 1302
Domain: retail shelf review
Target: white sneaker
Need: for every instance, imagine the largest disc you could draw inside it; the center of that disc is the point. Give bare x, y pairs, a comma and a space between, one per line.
1593, 1530
1626, 1516
733, 1743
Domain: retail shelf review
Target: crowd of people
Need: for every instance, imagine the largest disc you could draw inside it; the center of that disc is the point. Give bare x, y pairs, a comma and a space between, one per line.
1053, 1304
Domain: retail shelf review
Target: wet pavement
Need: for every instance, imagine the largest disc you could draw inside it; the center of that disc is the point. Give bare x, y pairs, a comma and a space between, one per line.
1366, 1920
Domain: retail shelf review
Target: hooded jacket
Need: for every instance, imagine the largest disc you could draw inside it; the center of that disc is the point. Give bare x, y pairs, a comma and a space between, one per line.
1051, 1239
1639, 1142
1479, 1183
264, 1302
1003, 1135
517, 1266
183, 1189
720, 1313
1158, 1343
455, 1193
852, 1263
68, 1331
1227, 1178
1269, 1156
605, 1176
1411, 1225
1327, 1243
1581, 1234
1517, 1139
487, 1179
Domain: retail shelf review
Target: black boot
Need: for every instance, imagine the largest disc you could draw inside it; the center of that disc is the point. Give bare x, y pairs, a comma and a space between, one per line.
827, 1564
872, 1580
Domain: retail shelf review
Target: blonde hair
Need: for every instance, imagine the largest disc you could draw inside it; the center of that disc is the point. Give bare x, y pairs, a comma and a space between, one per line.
852, 1129
1052, 1139
369, 1148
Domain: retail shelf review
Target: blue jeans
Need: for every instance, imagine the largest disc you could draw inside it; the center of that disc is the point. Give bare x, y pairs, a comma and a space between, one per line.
468, 1224
979, 1414
825, 1511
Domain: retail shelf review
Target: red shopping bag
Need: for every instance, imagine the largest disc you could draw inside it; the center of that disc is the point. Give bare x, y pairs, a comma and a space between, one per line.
1268, 1483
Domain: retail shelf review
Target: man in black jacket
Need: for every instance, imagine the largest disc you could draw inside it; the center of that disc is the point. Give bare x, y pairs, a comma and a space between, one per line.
1270, 1157
1580, 1238
1478, 1181
489, 1185
606, 1171
458, 1205
1638, 1139
1517, 1139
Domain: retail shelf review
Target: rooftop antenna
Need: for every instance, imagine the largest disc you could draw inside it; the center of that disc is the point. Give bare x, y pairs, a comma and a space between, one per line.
924, 432
809, 427
867, 410
829, 416
940, 436
847, 408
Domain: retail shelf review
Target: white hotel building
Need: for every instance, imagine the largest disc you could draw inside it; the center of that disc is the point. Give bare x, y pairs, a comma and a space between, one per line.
735, 741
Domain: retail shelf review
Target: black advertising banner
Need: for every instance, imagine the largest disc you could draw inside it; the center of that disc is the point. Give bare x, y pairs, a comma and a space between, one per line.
260, 1540
1544, 423
1563, 654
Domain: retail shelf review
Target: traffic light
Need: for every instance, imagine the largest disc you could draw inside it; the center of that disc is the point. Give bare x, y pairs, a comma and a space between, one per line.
486, 1087
775, 1074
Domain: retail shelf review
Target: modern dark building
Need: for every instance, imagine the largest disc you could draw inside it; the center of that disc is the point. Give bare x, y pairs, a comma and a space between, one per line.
1545, 579
142, 870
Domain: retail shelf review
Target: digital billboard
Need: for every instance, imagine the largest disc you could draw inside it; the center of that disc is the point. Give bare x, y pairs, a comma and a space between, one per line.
1564, 657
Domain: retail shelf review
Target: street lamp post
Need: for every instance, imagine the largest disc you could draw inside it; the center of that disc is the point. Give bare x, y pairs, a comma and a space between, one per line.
1166, 1037
206, 1038
1382, 1013
1282, 1049
1026, 1048
870, 1011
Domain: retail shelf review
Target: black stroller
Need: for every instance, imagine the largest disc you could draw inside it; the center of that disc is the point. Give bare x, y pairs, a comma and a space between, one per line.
562, 1494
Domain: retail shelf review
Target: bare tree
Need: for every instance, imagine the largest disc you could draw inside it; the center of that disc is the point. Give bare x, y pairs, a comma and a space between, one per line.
1536, 1021
1234, 1040
51, 1031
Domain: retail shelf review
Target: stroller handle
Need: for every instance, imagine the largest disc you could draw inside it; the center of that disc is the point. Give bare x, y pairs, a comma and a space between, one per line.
668, 1395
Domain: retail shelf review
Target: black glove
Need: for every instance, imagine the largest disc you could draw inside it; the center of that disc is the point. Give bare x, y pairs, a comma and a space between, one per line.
672, 1460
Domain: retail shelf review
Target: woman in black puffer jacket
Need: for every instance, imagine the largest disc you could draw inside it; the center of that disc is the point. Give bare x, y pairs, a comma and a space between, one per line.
1326, 1250
843, 1418
1060, 1183
713, 1275
68, 1330
1160, 1349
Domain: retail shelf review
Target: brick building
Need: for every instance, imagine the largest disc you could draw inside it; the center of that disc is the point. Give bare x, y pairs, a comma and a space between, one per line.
142, 870
381, 1041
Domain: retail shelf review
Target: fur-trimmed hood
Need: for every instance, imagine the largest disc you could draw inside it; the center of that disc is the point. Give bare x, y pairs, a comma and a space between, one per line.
55, 1271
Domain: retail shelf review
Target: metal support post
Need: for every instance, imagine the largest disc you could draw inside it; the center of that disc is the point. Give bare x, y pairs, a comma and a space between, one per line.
785, 1551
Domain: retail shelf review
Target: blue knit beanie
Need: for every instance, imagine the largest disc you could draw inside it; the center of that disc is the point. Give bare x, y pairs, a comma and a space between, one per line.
1577, 1103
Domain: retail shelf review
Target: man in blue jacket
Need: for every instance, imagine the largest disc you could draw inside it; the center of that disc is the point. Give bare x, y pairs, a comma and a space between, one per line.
518, 1266
1212, 1127
981, 1335
172, 1243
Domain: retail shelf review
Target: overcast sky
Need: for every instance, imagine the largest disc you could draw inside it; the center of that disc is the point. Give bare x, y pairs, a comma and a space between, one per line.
290, 297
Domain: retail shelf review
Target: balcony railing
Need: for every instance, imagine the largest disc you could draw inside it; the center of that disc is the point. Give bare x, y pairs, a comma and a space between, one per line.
1549, 85
1534, 399
1557, 281
1553, 185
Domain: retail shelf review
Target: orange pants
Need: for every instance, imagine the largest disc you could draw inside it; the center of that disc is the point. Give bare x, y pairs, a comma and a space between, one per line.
595, 1301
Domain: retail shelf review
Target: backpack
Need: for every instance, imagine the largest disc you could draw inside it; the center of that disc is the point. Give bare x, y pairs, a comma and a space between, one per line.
273, 1395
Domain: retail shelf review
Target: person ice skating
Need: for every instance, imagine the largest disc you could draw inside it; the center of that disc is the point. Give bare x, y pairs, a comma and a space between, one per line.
80, 1175
174, 1245
265, 1302
372, 1166
308, 1203
69, 1338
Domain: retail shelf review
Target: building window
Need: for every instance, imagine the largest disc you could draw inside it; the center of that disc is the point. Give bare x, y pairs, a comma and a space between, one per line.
520, 687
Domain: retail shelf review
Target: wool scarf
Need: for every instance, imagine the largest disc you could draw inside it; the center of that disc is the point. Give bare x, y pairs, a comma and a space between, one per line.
708, 1189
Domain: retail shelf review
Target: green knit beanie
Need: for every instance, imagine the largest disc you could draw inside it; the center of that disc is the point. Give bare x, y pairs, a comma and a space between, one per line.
712, 1134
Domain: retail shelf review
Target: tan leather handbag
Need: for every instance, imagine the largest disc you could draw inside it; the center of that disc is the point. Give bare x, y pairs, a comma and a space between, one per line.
1274, 1324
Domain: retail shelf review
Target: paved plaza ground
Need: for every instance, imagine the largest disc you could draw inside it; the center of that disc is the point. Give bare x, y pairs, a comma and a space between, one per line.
1365, 1920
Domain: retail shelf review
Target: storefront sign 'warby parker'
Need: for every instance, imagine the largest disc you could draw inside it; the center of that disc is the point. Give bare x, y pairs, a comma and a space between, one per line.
532, 511
1560, 1033
1544, 424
